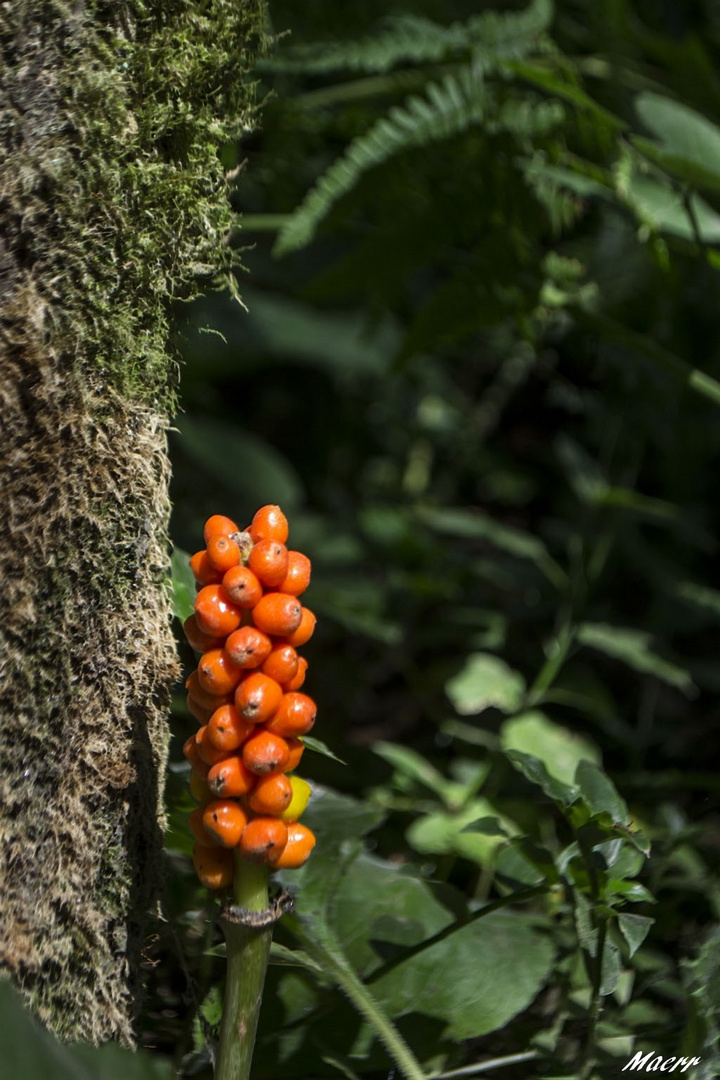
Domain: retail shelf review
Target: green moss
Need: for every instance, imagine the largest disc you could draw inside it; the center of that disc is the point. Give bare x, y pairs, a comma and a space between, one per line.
155, 91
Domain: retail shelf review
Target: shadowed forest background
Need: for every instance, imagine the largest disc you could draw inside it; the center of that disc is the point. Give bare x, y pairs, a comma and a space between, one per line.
477, 365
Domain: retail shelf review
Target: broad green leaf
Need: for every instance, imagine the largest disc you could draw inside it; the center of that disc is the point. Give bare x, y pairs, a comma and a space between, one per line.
600, 793
374, 891
484, 682
183, 584
633, 648
634, 928
443, 833
557, 747
29, 1052
450, 980
689, 143
476, 980
536, 772
246, 465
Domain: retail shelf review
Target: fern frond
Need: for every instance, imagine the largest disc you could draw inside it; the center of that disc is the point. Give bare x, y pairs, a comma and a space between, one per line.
447, 109
491, 37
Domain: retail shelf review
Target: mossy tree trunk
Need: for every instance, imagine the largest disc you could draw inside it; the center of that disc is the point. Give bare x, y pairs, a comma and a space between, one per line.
113, 203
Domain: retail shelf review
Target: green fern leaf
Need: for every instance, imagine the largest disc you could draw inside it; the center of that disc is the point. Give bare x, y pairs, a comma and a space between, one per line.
449, 108
414, 40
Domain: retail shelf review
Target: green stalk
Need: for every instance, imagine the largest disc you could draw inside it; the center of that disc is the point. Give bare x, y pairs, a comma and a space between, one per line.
248, 949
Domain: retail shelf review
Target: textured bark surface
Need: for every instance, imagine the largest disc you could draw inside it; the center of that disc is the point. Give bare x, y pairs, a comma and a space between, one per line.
112, 202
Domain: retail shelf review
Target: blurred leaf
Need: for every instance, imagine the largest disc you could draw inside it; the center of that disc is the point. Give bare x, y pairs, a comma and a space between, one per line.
358, 606
634, 928
632, 647
29, 1052
488, 826
343, 343
701, 595
416, 767
183, 584
557, 747
689, 145
476, 525
600, 793
664, 210
247, 466
485, 681
445, 833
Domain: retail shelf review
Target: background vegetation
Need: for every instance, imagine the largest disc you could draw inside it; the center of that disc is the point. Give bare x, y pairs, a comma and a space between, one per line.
477, 369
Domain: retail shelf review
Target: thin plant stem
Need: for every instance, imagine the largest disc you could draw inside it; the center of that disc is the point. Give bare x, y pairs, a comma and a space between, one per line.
248, 950
321, 943
485, 1066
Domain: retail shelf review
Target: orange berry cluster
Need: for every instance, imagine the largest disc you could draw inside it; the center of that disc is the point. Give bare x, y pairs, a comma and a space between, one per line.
245, 694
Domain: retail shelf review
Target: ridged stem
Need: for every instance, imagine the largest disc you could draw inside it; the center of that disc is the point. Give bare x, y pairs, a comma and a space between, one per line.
248, 949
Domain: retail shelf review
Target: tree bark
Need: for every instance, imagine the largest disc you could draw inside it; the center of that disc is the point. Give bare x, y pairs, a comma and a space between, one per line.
113, 203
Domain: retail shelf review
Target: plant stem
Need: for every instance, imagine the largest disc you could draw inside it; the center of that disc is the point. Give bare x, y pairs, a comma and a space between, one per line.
248, 949
321, 943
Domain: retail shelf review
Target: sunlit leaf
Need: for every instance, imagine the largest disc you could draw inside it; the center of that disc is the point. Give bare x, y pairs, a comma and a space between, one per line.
485, 681
557, 747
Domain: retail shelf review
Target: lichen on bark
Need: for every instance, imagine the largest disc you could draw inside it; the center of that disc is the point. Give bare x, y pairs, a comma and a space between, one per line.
113, 203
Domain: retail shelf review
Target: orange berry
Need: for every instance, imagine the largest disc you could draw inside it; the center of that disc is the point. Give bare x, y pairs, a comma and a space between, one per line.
223, 553
299, 679
202, 697
265, 752
269, 523
278, 613
281, 664
304, 630
271, 795
197, 638
224, 821
203, 571
215, 612
227, 729
230, 778
268, 561
191, 752
296, 748
195, 821
297, 578
214, 866
242, 587
208, 753
217, 674
258, 697
264, 838
199, 789
248, 647
295, 715
201, 712
300, 843
219, 525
